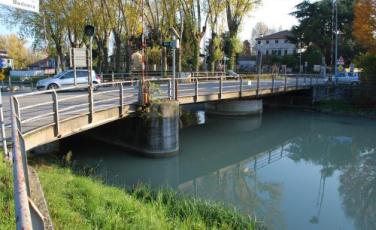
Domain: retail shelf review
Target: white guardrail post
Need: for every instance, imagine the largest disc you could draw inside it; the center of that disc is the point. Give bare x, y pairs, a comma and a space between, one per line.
23, 216
2, 123
241, 86
121, 99
285, 82
196, 89
56, 113
91, 104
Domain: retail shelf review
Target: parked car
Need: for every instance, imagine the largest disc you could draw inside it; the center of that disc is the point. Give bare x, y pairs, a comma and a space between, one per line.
346, 78
66, 79
232, 73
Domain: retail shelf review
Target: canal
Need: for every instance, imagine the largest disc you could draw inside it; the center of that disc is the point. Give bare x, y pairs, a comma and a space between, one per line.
292, 170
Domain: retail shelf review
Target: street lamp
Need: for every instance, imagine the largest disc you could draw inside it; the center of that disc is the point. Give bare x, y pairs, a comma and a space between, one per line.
89, 32
175, 45
260, 56
300, 39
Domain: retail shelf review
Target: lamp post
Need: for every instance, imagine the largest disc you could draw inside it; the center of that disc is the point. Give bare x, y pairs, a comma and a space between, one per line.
89, 32
260, 56
336, 42
300, 39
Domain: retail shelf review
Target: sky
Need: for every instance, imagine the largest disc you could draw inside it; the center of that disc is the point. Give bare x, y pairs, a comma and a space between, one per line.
274, 13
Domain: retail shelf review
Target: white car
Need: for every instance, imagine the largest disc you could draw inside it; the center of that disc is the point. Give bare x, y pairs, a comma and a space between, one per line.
346, 78
66, 79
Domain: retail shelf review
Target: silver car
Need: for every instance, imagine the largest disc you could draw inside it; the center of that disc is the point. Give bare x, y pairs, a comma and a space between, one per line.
66, 79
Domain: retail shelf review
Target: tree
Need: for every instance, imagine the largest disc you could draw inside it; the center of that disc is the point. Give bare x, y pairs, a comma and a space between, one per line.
236, 10
260, 28
246, 48
315, 27
16, 49
216, 7
364, 26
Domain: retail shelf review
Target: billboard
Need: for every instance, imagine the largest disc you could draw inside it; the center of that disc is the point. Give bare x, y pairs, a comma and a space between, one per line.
30, 5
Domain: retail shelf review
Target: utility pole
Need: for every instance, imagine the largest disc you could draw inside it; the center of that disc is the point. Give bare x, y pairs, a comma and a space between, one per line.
336, 39
143, 99
173, 68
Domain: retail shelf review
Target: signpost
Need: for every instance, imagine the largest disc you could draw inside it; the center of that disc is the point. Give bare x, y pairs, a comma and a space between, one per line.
78, 58
29, 5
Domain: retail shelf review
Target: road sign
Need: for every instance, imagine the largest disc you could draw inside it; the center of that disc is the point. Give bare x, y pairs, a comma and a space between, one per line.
2, 74
352, 67
2, 63
78, 57
341, 61
340, 68
29, 5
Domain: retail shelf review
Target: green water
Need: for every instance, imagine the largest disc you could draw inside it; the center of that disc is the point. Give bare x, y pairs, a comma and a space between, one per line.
292, 170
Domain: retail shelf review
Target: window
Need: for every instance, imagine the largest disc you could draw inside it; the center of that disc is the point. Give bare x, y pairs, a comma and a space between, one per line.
276, 41
82, 73
285, 52
67, 75
259, 42
279, 52
267, 52
267, 41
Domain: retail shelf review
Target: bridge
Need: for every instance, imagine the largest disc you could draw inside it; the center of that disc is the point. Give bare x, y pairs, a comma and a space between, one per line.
42, 117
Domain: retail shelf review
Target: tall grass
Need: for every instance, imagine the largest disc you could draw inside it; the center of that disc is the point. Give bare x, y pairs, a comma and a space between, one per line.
81, 202
7, 215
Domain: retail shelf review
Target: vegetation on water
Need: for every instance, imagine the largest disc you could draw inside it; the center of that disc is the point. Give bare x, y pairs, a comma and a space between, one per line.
7, 216
77, 200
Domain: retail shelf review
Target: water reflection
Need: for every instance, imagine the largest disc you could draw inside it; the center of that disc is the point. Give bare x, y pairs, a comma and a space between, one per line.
293, 170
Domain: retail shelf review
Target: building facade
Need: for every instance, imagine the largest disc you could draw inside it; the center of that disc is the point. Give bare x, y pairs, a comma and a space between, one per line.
6, 61
276, 44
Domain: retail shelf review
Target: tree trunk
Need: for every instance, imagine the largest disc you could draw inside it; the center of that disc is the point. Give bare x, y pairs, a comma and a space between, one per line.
232, 52
60, 57
196, 55
117, 51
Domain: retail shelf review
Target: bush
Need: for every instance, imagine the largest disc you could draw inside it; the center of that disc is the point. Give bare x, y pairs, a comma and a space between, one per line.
368, 63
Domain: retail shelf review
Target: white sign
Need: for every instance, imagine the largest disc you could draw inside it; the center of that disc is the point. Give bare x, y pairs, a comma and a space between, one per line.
341, 61
30, 5
78, 57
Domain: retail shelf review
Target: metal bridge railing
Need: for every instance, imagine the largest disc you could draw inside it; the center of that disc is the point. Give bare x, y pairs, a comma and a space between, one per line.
36, 110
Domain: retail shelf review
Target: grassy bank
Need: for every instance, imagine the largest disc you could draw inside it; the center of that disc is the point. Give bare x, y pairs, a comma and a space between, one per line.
7, 219
342, 107
75, 200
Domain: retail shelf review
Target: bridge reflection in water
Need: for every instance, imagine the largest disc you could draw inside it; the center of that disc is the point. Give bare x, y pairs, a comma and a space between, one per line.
292, 170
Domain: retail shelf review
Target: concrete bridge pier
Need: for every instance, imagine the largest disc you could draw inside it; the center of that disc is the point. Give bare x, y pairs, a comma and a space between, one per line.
160, 125
235, 108
152, 132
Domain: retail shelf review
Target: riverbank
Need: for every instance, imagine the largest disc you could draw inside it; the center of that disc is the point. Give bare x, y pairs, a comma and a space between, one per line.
341, 107
77, 200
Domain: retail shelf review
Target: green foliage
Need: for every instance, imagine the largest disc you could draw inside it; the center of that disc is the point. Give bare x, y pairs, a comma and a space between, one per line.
313, 56
7, 217
316, 25
76, 200
368, 63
